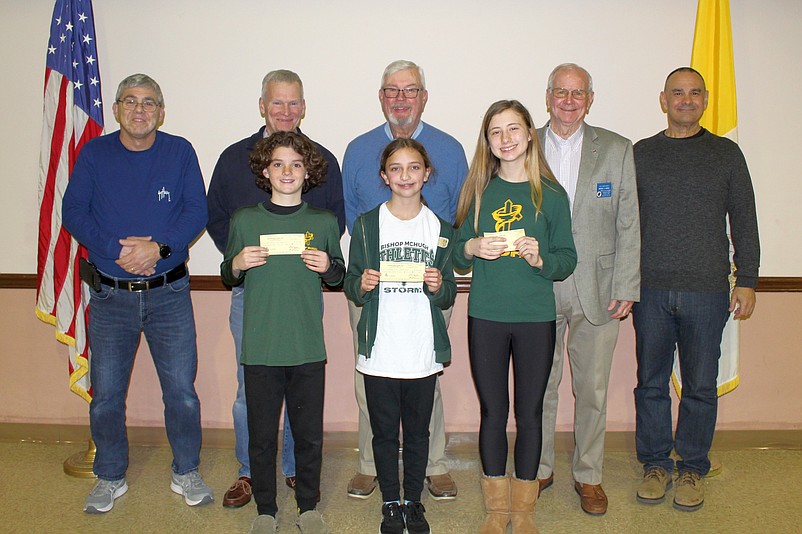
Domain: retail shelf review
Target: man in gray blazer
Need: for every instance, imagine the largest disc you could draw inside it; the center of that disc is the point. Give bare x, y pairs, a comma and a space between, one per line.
596, 168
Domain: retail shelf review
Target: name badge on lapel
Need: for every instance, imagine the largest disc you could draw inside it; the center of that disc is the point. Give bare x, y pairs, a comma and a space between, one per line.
604, 190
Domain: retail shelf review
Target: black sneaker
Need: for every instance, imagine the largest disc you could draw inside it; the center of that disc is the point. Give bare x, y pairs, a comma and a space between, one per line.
392, 519
416, 521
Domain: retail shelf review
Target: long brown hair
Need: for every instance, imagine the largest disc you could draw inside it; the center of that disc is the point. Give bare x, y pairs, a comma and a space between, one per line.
485, 165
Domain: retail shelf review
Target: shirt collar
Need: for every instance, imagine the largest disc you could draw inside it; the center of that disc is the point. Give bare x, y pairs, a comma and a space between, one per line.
265, 135
573, 142
415, 134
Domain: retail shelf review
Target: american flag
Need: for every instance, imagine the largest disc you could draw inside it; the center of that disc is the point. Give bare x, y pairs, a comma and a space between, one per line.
73, 114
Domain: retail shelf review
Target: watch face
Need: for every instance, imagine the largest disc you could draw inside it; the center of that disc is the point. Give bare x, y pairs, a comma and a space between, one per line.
164, 251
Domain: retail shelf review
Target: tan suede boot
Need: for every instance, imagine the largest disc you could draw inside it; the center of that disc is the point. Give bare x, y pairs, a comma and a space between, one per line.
496, 492
523, 497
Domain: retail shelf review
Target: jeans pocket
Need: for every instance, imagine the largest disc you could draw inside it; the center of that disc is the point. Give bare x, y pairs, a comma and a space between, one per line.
179, 285
104, 293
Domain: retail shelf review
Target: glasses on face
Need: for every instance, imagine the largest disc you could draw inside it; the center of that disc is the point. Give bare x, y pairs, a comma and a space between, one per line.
576, 94
393, 92
130, 104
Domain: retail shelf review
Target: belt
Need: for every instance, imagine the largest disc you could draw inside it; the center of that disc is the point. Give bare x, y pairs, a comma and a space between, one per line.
143, 284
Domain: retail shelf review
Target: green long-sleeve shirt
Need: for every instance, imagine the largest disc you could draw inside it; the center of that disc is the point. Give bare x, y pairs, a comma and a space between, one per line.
508, 289
283, 319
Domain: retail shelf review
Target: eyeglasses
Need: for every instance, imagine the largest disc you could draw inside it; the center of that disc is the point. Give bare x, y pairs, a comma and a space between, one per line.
130, 104
393, 92
577, 94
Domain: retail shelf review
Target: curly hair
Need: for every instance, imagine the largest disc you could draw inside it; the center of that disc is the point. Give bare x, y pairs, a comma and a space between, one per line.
314, 162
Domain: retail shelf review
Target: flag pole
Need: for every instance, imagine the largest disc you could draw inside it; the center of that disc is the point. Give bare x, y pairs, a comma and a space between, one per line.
79, 465
712, 56
73, 114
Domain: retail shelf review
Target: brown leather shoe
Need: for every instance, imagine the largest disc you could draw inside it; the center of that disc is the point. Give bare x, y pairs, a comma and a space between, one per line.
239, 494
361, 486
592, 498
442, 487
545, 483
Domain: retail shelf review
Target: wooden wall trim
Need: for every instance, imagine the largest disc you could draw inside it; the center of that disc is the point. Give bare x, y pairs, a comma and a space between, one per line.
17, 281
779, 284
765, 284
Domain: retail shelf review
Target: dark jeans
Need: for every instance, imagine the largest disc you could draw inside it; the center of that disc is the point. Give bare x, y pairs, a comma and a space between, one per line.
117, 318
265, 390
531, 346
692, 322
407, 401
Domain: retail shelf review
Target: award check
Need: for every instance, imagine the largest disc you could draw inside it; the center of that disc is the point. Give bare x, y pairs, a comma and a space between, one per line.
401, 271
510, 235
282, 244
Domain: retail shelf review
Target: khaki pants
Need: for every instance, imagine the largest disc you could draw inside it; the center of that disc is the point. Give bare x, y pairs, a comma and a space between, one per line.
590, 355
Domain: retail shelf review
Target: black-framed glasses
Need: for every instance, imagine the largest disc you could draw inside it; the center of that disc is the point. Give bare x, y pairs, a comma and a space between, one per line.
131, 103
577, 94
393, 92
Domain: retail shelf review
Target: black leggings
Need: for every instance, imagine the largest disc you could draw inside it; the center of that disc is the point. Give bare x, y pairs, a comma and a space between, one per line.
532, 348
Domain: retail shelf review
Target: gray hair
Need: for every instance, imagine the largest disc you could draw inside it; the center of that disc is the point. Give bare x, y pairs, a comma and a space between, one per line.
140, 80
569, 66
400, 65
281, 76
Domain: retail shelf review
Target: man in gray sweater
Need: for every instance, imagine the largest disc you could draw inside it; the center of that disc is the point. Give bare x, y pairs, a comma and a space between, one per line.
690, 183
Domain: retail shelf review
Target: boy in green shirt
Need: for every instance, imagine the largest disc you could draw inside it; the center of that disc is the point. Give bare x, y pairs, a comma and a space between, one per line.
280, 250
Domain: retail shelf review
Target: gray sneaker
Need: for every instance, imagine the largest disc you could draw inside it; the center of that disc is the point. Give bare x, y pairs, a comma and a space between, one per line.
690, 493
311, 522
263, 524
192, 487
652, 489
101, 498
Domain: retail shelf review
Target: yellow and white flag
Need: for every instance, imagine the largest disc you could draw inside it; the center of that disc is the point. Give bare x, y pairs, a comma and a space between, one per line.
712, 57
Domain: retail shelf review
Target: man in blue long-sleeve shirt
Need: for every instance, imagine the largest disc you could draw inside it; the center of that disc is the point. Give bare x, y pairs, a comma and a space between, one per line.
136, 201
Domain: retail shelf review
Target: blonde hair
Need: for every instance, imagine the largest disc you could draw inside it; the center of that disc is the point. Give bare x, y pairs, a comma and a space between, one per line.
485, 165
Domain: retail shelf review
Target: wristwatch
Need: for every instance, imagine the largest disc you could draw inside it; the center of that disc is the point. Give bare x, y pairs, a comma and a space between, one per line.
164, 250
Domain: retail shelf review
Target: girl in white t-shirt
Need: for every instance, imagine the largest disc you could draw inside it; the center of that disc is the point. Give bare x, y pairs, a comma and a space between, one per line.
400, 273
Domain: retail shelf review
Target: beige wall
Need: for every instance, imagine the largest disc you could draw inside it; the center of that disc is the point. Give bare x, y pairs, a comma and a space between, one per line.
33, 381
210, 57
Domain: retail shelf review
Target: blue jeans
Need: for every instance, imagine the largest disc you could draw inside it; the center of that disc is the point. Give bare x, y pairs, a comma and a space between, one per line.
116, 319
692, 322
240, 409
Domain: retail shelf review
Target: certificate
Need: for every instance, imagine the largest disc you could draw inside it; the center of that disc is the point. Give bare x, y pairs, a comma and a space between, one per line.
282, 244
401, 271
510, 235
